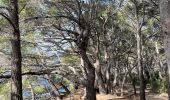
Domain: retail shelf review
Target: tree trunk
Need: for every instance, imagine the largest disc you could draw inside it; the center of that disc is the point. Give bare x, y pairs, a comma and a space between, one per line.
139, 64
167, 49
165, 20
107, 72
99, 78
114, 81
159, 60
133, 83
90, 93
16, 71
108, 88
123, 82
89, 72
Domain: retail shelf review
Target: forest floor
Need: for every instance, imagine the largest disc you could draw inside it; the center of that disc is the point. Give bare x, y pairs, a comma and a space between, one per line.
127, 96
149, 96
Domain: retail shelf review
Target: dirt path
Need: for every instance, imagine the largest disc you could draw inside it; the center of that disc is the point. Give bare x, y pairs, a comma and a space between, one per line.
149, 96
112, 97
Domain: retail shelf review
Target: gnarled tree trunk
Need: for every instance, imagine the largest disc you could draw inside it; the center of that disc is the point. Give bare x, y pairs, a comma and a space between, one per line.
89, 72
90, 93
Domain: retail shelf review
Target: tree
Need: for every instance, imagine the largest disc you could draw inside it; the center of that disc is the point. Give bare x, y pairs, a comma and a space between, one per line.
16, 70
139, 48
114, 40
80, 33
164, 6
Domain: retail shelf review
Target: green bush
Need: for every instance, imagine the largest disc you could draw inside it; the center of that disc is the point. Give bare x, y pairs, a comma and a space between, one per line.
159, 85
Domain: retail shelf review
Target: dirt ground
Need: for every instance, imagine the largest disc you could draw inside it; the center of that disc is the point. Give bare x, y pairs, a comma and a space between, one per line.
133, 97
127, 96
149, 96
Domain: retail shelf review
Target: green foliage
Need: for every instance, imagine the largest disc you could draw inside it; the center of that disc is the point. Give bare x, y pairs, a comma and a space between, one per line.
3, 22
4, 88
56, 77
39, 89
3, 38
71, 88
28, 11
121, 26
159, 85
52, 10
70, 59
25, 83
4, 2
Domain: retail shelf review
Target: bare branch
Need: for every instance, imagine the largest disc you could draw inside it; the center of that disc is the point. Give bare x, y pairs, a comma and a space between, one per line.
8, 19
42, 72
22, 8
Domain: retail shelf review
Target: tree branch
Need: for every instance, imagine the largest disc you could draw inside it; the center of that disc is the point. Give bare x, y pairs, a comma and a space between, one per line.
42, 72
8, 19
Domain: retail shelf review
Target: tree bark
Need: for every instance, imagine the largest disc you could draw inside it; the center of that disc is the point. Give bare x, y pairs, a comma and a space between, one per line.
158, 59
99, 78
90, 93
89, 72
16, 71
140, 19
115, 80
139, 64
164, 6
167, 50
123, 83
133, 83
107, 72
97, 64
